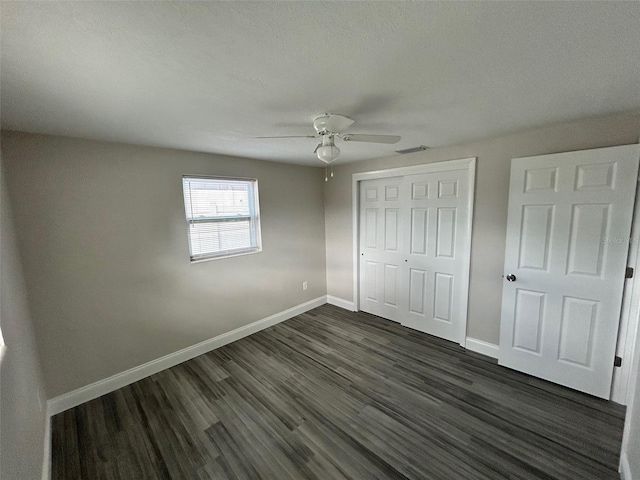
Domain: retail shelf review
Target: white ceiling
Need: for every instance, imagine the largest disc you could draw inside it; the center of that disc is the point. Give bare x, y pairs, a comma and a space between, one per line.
210, 76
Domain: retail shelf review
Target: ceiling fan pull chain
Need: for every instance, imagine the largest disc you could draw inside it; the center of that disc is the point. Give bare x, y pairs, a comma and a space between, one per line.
326, 177
332, 170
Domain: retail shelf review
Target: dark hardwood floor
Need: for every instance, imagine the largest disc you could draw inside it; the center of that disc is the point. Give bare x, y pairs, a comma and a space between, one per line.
332, 394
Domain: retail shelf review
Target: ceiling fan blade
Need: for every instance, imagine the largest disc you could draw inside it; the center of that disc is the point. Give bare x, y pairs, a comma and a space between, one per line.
361, 137
291, 136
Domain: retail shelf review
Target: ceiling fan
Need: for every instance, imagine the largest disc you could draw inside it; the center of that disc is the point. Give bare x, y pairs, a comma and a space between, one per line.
331, 125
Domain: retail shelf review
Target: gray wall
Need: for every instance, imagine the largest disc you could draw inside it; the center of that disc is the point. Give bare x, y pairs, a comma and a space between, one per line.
22, 417
104, 243
490, 213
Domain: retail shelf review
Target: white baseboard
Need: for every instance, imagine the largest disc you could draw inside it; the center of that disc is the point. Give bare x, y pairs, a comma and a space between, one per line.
480, 346
625, 468
84, 394
341, 302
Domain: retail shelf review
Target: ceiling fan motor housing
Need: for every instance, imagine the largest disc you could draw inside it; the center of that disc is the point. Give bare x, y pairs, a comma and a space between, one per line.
331, 123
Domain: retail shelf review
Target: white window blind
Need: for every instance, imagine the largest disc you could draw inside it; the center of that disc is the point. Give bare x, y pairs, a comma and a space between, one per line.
222, 215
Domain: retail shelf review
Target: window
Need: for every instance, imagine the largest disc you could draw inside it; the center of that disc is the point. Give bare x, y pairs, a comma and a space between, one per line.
222, 215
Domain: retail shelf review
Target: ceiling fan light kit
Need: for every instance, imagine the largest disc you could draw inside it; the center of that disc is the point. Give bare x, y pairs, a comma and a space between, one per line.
327, 151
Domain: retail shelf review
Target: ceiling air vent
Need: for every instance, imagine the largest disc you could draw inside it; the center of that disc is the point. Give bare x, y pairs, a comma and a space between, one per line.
419, 148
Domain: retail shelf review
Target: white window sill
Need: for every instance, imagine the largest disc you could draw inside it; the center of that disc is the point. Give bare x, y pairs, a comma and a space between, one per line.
222, 257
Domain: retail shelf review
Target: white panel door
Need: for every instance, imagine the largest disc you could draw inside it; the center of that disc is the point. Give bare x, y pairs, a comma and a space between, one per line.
435, 236
567, 240
381, 264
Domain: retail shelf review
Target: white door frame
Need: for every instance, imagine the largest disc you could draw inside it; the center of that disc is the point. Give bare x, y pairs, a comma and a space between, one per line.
629, 317
468, 164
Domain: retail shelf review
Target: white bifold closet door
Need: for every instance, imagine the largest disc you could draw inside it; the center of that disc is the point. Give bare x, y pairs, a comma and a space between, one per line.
413, 230
382, 213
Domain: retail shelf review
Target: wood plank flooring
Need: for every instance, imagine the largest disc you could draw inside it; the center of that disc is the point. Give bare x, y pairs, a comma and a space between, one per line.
332, 394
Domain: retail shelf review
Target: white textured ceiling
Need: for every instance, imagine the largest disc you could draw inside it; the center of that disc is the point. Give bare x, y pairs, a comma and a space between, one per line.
209, 76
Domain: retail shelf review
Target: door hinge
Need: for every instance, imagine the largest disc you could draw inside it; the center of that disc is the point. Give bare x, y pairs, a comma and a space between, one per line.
617, 362
629, 272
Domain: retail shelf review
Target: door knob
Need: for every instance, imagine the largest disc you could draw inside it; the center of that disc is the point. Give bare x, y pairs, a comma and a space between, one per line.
511, 277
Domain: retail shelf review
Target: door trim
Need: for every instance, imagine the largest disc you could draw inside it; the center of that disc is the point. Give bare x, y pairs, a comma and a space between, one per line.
626, 346
468, 164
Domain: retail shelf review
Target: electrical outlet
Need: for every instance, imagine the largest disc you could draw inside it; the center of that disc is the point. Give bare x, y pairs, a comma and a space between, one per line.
304, 285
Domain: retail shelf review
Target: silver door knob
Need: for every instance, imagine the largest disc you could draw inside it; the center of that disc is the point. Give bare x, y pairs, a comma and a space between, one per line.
511, 277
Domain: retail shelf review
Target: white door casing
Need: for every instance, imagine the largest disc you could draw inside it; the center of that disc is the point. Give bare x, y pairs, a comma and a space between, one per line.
566, 213
414, 246
625, 349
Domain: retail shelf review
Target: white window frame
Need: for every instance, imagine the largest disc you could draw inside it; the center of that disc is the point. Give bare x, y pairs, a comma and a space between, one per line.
253, 217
